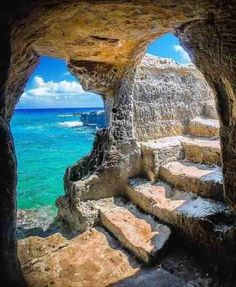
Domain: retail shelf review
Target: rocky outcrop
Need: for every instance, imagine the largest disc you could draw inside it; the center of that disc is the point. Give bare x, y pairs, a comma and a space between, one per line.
185, 194
142, 235
158, 91
38, 222
94, 118
166, 96
8, 247
94, 258
91, 259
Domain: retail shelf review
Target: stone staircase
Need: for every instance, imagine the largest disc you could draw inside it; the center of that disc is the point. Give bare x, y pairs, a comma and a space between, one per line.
181, 190
179, 197
139, 233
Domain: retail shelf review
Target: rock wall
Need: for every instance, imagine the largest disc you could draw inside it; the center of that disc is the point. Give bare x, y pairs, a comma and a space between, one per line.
166, 96
140, 105
213, 52
115, 155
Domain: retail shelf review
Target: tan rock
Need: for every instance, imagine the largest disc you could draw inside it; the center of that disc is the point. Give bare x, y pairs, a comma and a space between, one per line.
88, 260
157, 152
198, 178
200, 127
202, 150
139, 233
201, 220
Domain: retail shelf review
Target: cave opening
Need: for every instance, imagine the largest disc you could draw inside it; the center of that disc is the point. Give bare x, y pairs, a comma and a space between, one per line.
111, 37
54, 125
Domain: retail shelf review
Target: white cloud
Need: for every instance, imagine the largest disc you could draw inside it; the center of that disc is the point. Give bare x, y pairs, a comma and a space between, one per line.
53, 89
184, 57
57, 94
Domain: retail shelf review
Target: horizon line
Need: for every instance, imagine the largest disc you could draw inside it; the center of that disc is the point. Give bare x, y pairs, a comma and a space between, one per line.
59, 108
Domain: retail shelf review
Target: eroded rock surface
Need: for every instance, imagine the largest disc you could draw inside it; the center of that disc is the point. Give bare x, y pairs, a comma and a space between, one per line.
155, 99
140, 233
94, 258
38, 222
90, 259
166, 96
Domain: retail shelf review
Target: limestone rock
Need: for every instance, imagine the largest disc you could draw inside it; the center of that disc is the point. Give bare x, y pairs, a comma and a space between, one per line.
201, 127
35, 221
210, 111
198, 178
207, 223
157, 152
114, 33
202, 150
142, 235
94, 118
90, 259
166, 96
156, 91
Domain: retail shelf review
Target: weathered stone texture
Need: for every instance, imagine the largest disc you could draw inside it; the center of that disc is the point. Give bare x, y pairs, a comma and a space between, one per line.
212, 45
210, 224
10, 270
200, 127
110, 32
159, 92
139, 233
198, 178
166, 96
202, 150
90, 259
115, 157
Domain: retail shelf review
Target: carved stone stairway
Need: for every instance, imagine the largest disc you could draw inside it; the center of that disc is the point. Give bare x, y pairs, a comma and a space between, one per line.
181, 189
179, 195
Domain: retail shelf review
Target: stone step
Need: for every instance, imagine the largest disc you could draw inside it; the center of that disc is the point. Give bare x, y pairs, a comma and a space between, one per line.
202, 150
206, 222
204, 127
138, 232
192, 177
158, 152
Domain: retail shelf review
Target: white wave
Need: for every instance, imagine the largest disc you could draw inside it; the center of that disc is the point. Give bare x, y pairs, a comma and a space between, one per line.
65, 116
72, 124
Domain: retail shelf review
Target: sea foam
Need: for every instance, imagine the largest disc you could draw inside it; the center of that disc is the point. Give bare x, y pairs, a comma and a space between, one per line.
71, 124
65, 116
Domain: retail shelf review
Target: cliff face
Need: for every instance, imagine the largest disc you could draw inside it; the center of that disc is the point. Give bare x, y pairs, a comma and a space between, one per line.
165, 97
158, 98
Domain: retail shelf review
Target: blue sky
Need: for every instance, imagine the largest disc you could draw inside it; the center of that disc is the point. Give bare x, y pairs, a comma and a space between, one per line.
52, 86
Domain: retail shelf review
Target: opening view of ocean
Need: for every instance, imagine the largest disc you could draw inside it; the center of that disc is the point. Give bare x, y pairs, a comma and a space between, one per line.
47, 141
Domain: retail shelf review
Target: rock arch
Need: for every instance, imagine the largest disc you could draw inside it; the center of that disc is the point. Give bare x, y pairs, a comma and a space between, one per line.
113, 34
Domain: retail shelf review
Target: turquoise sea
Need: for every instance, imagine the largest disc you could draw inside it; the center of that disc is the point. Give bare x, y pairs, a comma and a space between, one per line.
47, 141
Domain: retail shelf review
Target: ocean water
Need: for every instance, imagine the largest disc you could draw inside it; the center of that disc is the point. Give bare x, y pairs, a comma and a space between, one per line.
47, 141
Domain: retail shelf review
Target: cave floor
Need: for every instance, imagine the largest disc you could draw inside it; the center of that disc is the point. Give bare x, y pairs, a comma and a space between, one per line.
95, 258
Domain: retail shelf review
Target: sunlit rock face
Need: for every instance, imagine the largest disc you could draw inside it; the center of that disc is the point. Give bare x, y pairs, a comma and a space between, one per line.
91, 259
166, 96
157, 98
